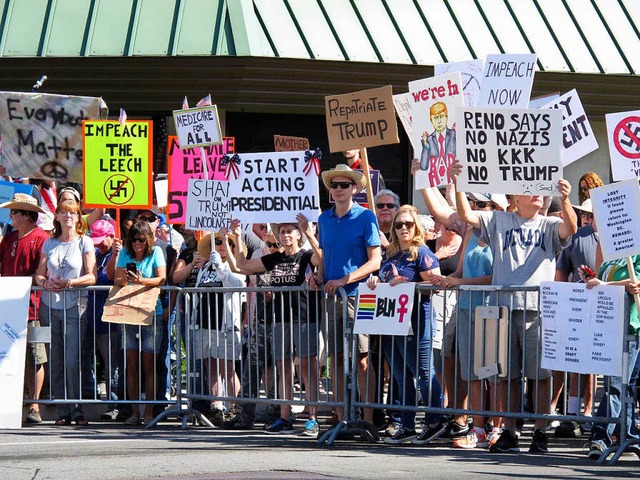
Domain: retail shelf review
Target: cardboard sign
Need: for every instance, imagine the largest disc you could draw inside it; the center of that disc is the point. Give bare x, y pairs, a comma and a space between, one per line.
403, 105
117, 163
14, 298
470, 74
577, 136
434, 133
42, 134
198, 127
7, 189
507, 80
131, 305
623, 131
515, 152
615, 208
208, 205
273, 187
361, 119
582, 329
185, 164
283, 143
361, 197
385, 310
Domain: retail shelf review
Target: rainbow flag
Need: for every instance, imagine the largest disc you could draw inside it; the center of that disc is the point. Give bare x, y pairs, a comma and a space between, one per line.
366, 306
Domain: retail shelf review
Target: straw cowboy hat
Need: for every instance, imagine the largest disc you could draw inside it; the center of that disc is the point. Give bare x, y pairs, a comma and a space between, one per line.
204, 245
275, 228
585, 206
343, 170
22, 201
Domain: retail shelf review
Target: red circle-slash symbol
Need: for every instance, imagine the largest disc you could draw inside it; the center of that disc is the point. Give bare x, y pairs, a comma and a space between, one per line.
626, 137
119, 189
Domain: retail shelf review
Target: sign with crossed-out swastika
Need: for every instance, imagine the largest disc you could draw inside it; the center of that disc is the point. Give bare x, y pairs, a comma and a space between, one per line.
623, 132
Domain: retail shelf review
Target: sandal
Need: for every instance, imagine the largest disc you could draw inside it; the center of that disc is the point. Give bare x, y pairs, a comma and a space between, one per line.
148, 420
133, 420
81, 422
62, 421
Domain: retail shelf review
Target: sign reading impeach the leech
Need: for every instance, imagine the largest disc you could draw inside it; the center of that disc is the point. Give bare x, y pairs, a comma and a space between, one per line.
361, 119
273, 187
513, 152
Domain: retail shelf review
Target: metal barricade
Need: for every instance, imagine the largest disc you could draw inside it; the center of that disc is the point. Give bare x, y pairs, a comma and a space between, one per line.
77, 359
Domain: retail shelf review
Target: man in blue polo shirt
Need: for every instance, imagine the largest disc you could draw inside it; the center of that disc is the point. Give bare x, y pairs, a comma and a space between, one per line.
350, 241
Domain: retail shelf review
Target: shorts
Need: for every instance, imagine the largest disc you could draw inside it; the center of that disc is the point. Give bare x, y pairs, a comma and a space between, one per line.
524, 335
36, 352
150, 335
305, 339
466, 344
222, 344
333, 324
449, 340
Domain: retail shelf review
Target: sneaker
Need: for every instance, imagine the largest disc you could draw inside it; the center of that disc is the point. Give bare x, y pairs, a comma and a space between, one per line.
429, 434
215, 416
493, 435
454, 430
540, 442
477, 438
597, 448
280, 427
111, 414
392, 429
402, 435
567, 429
507, 443
238, 422
311, 428
33, 416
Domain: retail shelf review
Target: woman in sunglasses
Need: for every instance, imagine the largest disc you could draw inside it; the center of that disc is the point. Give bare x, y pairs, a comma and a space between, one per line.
409, 260
141, 263
68, 261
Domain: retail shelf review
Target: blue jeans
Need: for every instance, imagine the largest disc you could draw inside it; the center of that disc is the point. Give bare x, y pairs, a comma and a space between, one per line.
410, 358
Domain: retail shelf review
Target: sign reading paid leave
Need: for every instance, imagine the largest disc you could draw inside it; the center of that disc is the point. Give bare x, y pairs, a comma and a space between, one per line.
273, 187
623, 132
385, 310
117, 163
582, 329
361, 119
42, 134
512, 152
615, 210
434, 135
208, 205
185, 164
198, 127
577, 136
507, 80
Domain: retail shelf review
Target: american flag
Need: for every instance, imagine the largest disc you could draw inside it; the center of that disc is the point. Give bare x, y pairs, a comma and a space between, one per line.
185, 103
205, 102
123, 117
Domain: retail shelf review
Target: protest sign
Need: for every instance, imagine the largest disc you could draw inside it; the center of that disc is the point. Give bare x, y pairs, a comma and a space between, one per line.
361, 119
131, 305
507, 80
273, 187
162, 191
361, 197
7, 189
471, 77
117, 163
198, 127
42, 134
185, 164
582, 329
403, 105
623, 131
208, 205
577, 136
514, 152
14, 298
283, 143
443, 304
385, 310
434, 136
615, 208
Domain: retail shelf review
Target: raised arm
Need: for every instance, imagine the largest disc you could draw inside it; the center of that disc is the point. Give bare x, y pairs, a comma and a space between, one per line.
464, 208
569, 224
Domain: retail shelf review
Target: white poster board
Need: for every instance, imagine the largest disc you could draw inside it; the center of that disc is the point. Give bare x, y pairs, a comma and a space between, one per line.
14, 298
385, 310
273, 187
208, 205
434, 131
623, 133
615, 208
162, 192
443, 304
507, 80
582, 329
577, 136
470, 74
403, 105
511, 152
198, 127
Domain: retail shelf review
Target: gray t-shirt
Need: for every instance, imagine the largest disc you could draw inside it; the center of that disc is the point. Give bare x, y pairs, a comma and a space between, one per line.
581, 251
524, 252
65, 260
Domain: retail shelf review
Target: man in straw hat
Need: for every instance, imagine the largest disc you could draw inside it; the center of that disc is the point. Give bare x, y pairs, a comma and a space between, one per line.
19, 256
350, 240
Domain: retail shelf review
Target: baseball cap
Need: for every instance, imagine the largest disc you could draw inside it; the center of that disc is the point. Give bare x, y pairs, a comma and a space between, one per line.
100, 230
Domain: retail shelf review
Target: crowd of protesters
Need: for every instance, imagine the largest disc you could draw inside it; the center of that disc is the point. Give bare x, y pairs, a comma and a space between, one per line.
243, 344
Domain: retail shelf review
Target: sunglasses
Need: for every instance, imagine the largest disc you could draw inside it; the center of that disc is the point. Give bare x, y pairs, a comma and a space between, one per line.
584, 189
390, 206
342, 185
586, 215
15, 212
407, 225
273, 245
482, 204
262, 227
149, 219
139, 240
219, 242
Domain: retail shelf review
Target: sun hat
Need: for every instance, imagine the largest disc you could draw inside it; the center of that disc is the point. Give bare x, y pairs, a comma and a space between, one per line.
497, 198
343, 170
22, 201
100, 230
585, 206
275, 228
